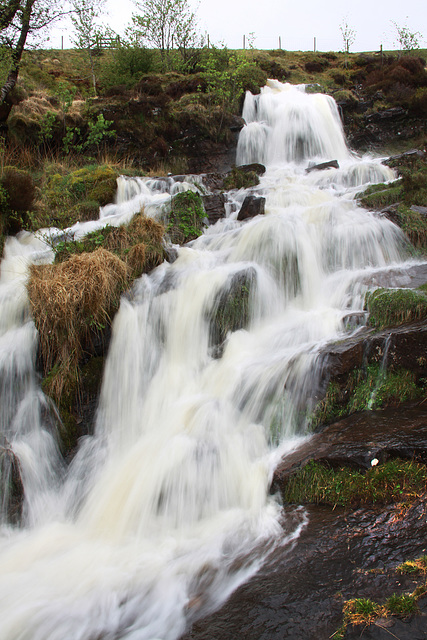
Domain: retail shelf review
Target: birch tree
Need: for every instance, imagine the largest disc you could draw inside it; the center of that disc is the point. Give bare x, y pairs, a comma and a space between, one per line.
166, 25
88, 31
19, 21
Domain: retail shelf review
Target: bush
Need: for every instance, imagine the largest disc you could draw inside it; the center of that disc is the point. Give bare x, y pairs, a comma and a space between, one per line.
127, 65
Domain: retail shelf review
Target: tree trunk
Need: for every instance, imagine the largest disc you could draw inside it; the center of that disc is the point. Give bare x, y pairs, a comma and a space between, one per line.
5, 104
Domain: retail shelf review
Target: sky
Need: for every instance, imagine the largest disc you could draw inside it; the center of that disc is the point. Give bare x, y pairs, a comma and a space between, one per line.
297, 23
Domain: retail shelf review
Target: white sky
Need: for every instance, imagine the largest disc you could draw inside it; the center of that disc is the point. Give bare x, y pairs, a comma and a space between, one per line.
297, 23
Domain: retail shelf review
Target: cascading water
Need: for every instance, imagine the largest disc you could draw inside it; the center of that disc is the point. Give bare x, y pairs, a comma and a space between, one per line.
165, 510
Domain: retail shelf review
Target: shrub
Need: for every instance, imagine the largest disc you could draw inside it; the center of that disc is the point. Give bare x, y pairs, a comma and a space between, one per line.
126, 66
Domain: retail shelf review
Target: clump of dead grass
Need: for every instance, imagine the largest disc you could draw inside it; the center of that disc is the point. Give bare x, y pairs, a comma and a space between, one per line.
70, 302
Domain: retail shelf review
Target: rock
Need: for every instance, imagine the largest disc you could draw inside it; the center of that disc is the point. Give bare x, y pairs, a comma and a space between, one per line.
252, 206
388, 114
230, 309
421, 210
332, 164
361, 437
214, 206
256, 167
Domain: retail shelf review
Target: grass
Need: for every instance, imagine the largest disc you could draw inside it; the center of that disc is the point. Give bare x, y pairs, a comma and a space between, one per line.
71, 301
394, 481
394, 307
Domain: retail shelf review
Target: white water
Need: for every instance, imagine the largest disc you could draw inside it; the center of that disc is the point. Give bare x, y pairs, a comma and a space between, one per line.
166, 509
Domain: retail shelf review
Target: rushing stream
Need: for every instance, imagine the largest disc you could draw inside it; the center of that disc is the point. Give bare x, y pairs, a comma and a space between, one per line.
165, 510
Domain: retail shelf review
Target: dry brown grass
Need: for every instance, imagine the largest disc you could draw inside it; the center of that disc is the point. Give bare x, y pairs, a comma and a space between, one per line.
70, 301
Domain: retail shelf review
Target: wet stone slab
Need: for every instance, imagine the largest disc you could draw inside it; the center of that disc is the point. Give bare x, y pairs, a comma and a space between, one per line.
340, 554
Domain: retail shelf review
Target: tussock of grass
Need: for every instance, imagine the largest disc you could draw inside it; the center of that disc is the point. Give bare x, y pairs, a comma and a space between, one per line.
418, 566
69, 301
393, 307
139, 244
393, 481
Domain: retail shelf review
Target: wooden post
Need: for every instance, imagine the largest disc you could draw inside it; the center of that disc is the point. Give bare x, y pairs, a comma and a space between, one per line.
62, 43
280, 42
381, 51
314, 44
244, 41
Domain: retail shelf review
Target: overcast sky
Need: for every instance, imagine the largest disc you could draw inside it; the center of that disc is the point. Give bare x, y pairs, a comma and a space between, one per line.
297, 22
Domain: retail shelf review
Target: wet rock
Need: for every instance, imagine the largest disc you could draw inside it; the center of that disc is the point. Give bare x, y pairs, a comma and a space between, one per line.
331, 164
412, 628
356, 440
255, 167
252, 206
402, 347
214, 206
299, 593
230, 309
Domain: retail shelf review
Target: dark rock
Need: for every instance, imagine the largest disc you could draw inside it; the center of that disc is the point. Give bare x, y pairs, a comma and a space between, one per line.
300, 591
252, 206
237, 124
361, 437
332, 164
214, 181
214, 206
256, 167
230, 309
404, 158
393, 113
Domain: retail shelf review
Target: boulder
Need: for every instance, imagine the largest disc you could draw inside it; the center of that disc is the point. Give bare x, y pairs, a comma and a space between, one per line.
252, 206
331, 164
214, 206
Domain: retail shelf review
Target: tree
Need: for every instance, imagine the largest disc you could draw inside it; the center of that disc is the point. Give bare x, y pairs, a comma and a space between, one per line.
348, 36
88, 32
165, 25
20, 20
406, 39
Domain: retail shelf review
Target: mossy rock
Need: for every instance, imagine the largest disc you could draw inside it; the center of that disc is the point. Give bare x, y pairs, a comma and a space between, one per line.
71, 196
187, 217
382, 195
230, 311
393, 307
241, 179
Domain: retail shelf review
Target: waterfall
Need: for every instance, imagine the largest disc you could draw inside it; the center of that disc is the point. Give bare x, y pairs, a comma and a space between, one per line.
165, 510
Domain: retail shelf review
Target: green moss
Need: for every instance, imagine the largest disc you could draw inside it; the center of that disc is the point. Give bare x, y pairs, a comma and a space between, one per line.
414, 224
393, 307
231, 307
366, 389
379, 196
186, 218
70, 196
239, 179
393, 481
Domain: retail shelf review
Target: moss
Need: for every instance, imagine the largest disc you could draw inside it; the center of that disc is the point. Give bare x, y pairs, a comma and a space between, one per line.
231, 307
367, 388
187, 217
393, 307
414, 224
379, 196
68, 196
394, 481
239, 179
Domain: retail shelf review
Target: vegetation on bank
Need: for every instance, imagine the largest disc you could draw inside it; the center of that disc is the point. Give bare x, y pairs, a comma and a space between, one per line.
395, 481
